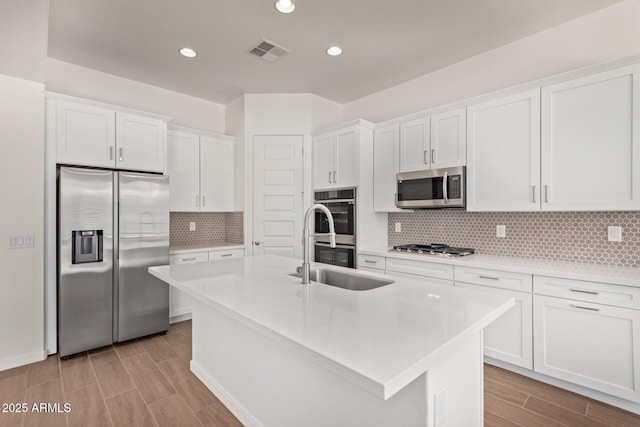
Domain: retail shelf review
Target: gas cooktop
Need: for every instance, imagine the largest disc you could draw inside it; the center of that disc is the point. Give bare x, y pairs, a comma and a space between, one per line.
434, 249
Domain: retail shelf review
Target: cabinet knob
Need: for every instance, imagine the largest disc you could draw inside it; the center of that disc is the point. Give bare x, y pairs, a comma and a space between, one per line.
257, 243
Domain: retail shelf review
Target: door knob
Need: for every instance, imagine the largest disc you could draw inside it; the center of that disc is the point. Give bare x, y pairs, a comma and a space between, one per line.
257, 243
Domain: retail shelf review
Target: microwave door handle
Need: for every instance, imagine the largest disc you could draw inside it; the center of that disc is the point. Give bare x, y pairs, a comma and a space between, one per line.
445, 196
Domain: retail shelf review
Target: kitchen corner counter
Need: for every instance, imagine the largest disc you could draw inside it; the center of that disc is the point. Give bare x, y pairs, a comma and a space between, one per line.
378, 341
203, 247
625, 276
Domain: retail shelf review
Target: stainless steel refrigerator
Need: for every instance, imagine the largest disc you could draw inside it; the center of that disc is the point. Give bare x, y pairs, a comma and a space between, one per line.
112, 226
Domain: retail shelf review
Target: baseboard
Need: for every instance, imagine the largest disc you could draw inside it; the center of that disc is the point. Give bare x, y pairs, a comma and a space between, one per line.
245, 417
23, 359
180, 318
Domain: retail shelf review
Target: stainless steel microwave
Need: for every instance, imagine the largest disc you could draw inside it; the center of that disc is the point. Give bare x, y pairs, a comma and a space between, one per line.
437, 188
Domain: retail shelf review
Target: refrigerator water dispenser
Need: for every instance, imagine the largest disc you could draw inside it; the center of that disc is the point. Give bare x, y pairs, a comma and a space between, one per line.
86, 246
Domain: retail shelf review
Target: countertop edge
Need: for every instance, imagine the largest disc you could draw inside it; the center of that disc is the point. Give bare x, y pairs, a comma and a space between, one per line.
179, 250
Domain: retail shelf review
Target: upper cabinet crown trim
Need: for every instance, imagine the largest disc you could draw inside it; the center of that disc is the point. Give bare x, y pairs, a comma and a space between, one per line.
183, 129
359, 122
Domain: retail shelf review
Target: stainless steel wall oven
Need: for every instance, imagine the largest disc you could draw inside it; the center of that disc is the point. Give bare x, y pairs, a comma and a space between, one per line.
342, 205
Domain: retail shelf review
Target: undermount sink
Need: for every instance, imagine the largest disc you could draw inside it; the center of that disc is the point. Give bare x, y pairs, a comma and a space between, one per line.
344, 280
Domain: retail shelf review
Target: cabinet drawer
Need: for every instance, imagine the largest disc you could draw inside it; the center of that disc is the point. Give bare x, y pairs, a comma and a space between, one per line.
494, 278
189, 258
600, 293
371, 261
420, 268
231, 253
421, 278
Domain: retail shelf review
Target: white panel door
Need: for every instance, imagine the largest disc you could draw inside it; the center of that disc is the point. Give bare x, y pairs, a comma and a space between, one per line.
415, 145
503, 154
216, 175
323, 170
85, 135
591, 142
449, 139
277, 195
183, 168
345, 155
386, 164
140, 143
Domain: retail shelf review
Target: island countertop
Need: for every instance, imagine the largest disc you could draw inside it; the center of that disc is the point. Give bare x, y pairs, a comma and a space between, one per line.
381, 339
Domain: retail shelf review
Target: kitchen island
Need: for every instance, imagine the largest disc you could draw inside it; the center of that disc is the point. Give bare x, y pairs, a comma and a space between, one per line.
279, 353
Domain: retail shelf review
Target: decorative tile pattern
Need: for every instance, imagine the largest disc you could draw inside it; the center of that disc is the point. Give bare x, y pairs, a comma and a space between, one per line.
567, 236
211, 228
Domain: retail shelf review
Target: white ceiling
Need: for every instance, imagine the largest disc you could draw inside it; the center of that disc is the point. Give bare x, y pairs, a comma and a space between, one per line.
385, 42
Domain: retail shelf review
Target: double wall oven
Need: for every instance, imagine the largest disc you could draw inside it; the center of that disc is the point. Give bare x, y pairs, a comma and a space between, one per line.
342, 204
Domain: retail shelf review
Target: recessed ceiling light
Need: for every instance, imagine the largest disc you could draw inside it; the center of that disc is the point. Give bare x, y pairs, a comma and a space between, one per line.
285, 6
189, 53
334, 51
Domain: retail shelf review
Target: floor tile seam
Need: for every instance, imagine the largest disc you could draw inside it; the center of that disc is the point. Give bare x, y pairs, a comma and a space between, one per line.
507, 420
77, 388
41, 382
127, 357
567, 409
161, 373
506, 386
64, 393
166, 398
530, 411
104, 399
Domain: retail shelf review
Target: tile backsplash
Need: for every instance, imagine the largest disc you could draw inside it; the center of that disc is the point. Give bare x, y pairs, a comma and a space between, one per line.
568, 236
211, 227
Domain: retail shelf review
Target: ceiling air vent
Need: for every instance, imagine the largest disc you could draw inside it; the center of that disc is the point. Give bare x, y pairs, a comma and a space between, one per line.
269, 52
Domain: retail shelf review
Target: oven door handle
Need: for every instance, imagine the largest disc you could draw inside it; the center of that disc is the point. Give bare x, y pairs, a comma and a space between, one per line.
338, 245
328, 202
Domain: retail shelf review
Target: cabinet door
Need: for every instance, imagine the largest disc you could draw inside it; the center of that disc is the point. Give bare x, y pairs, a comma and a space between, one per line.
323, 176
503, 158
140, 143
345, 157
225, 254
183, 167
449, 139
590, 142
415, 145
85, 135
180, 303
386, 164
510, 337
592, 345
216, 175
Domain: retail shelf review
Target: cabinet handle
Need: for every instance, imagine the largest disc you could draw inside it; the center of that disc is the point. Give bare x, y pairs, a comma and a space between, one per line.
121, 154
370, 262
582, 291
189, 259
329, 177
335, 179
111, 152
533, 187
584, 308
426, 157
197, 201
546, 194
225, 255
433, 155
489, 277
204, 201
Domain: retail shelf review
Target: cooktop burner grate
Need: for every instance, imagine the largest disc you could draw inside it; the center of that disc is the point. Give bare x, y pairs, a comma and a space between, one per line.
435, 249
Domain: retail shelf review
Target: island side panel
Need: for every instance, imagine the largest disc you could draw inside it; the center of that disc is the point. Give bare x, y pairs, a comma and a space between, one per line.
267, 384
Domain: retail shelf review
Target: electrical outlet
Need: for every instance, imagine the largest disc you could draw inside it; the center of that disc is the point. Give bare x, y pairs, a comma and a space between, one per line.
440, 408
192, 226
398, 227
501, 231
614, 233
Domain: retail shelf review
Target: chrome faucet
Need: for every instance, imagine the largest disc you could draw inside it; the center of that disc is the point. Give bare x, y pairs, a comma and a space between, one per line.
306, 267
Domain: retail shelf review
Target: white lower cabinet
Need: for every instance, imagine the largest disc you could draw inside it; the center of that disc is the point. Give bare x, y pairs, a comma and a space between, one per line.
179, 302
434, 272
371, 263
509, 338
585, 342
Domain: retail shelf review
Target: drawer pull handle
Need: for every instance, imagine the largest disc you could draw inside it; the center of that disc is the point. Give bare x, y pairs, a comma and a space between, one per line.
584, 308
489, 277
582, 291
189, 259
225, 255
370, 262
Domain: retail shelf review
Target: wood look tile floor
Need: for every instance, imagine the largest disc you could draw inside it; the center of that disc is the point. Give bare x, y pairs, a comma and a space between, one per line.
147, 382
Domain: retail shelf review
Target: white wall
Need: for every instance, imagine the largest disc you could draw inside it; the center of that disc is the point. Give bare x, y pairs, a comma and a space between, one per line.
605, 35
70, 79
21, 212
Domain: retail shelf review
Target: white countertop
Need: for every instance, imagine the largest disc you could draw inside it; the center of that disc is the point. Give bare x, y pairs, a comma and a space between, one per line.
204, 247
381, 339
626, 276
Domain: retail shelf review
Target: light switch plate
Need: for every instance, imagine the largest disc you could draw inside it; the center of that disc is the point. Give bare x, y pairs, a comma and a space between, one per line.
501, 231
398, 227
614, 233
192, 226
21, 241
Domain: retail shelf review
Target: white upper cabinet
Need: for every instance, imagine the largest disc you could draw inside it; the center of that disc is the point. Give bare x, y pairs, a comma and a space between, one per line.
216, 174
590, 142
449, 139
85, 135
503, 154
90, 135
140, 142
386, 164
415, 145
201, 171
335, 158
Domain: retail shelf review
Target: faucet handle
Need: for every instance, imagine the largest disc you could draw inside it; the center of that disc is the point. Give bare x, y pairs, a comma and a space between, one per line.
299, 269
